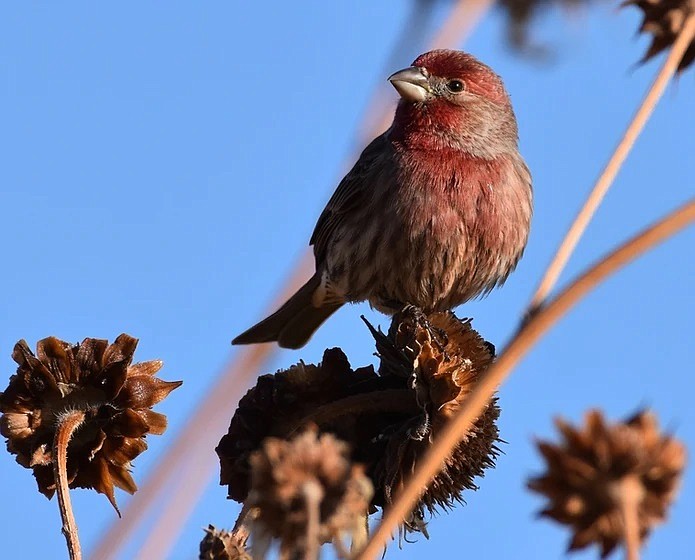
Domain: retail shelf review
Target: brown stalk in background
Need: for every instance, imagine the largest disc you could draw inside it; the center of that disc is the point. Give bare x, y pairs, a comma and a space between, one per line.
609, 173
630, 497
529, 333
213, 413
67, 426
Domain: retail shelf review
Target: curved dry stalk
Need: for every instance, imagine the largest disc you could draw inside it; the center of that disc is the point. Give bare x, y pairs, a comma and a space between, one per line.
313, 494
630, 492
527, 335
66, 427
390, 400
241, 519
609, 173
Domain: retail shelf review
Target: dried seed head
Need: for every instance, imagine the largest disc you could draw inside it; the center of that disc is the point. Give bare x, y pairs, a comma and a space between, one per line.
585, 472
306, 481
282, 403
446, 357
224, 545
428, 367
664, 20
99, 379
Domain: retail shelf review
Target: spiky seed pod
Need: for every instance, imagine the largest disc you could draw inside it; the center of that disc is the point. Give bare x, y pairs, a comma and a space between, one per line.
446, 359
664, 20
305, 490
99, 379
429, 365
224, 545
586, 469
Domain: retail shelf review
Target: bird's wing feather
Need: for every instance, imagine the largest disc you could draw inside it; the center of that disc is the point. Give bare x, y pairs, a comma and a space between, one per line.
352, 192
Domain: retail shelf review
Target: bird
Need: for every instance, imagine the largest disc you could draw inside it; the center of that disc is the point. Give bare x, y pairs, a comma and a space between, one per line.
435, 212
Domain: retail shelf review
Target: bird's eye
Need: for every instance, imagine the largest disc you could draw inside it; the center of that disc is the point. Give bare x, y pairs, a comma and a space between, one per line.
455, 86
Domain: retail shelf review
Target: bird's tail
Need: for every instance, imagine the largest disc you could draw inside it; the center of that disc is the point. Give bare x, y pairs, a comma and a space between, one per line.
293, 324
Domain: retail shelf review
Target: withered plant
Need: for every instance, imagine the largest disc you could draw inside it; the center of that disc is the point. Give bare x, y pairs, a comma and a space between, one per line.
387, 418
610, 484
78, 414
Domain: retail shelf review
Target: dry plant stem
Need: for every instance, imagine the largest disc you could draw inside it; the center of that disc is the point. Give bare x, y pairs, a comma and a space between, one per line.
241, 520
629, 494
213, 413
604, 182
312, 499
391, 400
360, 538
67, 425
528, 334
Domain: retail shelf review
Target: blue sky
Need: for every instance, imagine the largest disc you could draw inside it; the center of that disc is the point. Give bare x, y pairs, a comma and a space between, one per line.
163, 168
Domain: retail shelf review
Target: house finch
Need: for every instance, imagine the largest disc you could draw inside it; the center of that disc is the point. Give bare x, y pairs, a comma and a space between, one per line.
435, 212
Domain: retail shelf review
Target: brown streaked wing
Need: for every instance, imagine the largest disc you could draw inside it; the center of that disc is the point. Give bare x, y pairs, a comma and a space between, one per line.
350, 194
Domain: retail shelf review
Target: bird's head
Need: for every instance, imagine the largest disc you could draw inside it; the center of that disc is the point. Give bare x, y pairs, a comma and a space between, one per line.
451, 98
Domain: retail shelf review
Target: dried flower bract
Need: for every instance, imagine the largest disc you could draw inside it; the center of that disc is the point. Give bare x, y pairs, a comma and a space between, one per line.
589, 471
444, 357
224, 545
307, 492
664, 20
98, 379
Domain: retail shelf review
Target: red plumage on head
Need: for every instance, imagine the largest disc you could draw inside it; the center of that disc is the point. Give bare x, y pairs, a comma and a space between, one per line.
480, 122
479, 77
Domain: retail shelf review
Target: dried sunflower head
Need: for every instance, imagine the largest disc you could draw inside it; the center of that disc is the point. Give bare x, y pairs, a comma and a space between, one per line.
280, 405
445, 358
99, 379
224, 545
587, 471
664, 20
307, 492
429, 365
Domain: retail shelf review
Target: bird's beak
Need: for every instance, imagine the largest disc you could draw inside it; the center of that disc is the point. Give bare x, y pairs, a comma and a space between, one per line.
412, 83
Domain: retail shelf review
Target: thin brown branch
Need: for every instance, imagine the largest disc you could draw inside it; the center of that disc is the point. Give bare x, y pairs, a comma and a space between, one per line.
66, 427
630, 494
529, 333
390, 400
614, 164
313, 494
241, 519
